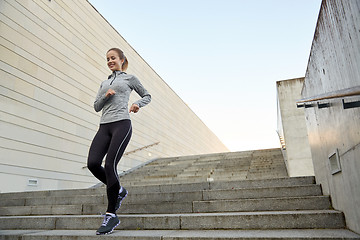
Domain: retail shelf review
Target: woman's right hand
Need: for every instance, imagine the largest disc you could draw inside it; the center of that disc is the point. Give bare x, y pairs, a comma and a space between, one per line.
109, 92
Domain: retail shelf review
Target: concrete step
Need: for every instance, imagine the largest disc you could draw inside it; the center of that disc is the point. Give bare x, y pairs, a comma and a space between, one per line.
308, 234
41, 210
254, 176
274, 154
160, 187
188, 172
52, 193
77, 207
180, 186
274, 182
223, 185
310, 219
243, 205
263, 204
67, 200
232, 172
155, 197
233, 163
160, 176
176, 196
190, 178
184, 176
263, 192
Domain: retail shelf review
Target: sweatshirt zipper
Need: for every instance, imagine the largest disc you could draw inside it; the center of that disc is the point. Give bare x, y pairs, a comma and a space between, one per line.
115, 76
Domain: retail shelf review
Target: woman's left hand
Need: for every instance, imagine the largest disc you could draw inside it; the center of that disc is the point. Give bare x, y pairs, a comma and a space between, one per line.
134, 108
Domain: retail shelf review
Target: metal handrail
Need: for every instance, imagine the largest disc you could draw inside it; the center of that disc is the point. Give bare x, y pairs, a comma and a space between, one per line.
347, 92
142, 148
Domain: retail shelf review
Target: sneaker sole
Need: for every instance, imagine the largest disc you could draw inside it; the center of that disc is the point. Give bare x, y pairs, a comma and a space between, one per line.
97, 233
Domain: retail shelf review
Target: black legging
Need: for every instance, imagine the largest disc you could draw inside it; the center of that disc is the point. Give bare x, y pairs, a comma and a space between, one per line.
111, 139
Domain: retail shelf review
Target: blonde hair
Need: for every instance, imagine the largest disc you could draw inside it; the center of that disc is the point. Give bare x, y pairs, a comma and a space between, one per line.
121, 54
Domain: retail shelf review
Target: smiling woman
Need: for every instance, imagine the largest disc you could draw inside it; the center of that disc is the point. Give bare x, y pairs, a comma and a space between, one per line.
114, 132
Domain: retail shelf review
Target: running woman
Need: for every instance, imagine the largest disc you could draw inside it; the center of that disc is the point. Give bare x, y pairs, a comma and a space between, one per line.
114, 132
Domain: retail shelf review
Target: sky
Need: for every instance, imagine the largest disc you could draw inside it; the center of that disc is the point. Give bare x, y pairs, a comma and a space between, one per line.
222, 58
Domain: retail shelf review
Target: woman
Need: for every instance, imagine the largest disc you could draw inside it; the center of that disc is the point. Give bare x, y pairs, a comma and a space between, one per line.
114, 132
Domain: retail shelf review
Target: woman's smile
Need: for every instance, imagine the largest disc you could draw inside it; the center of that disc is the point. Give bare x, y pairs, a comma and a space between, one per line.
113, 60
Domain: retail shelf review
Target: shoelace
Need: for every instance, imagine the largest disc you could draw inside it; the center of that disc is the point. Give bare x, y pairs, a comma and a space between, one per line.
106, 220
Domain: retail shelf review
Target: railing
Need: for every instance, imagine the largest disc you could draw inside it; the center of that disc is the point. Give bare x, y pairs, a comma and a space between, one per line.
142, 148
314, 101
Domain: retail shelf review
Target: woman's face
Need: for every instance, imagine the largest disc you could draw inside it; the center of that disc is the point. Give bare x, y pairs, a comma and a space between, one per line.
113, 61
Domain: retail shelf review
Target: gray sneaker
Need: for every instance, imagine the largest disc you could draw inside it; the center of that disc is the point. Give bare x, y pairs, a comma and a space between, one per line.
121, 197
108, 224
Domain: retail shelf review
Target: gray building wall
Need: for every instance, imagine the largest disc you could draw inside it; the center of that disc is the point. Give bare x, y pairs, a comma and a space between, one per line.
292, 128
333, 66
52, 61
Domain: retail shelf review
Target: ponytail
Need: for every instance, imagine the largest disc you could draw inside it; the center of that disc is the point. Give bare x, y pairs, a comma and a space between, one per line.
125, 64
121, 54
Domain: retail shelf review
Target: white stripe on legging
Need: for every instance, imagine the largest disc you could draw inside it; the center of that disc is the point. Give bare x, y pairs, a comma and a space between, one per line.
116, 174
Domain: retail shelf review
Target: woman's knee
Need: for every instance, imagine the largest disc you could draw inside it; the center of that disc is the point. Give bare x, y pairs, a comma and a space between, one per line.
93, 166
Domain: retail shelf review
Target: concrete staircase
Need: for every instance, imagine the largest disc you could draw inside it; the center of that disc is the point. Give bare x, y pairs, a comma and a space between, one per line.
243, 195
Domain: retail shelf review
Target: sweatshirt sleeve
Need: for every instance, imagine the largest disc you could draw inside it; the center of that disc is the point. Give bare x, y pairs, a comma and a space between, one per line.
100, 100
143, 93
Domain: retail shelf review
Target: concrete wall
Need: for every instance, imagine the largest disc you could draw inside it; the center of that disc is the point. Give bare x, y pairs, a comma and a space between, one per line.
334, 65
52, 61
292, 128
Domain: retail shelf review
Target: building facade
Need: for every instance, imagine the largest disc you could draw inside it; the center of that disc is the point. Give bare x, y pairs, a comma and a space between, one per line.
52, 63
